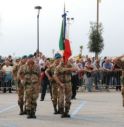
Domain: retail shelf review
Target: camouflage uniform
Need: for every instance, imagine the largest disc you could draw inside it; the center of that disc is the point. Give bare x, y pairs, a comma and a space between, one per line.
120, 62
55, 89
32, 87
64, 76
122, 91
20, 87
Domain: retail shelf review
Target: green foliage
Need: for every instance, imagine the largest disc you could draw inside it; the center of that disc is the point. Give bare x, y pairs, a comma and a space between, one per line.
95, 44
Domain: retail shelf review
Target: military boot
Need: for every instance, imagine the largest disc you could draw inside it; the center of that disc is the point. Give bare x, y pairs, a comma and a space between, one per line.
21, 110
33, 113
65, 114
29, 115
25, 111
58, 112
61, 110
55, 109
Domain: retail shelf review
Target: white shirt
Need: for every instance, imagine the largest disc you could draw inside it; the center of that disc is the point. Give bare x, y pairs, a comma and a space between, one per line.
7, 69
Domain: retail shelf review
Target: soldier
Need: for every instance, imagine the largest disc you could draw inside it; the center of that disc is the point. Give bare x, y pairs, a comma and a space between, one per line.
55, 90
30, 76
120, 62
19, 85
62, 76
122, 90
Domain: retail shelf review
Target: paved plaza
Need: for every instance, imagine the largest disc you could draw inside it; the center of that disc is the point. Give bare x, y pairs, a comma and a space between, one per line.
96, 109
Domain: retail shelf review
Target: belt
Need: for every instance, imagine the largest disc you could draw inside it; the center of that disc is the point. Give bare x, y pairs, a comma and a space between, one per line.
67, 81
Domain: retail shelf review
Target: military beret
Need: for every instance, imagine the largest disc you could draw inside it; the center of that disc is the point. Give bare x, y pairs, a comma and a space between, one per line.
57, 56
24, 57
30, 56
18, 58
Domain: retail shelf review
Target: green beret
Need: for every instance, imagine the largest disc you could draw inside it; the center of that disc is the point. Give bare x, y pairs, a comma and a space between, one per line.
24, 57
30, 56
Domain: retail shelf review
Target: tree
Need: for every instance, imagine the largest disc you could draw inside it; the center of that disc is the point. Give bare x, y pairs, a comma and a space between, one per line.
95, 43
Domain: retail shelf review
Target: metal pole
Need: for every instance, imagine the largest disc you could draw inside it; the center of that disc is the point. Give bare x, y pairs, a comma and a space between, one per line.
68, 26
97, 15
38, 8
38, 33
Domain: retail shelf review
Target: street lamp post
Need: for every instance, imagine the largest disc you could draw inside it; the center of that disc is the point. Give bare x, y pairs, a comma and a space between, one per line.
69, 23
97, 15
38, 8
53, 52
81, 48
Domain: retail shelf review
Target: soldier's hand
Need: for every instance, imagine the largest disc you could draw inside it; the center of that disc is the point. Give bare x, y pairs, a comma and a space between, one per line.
62, 85
50, 79
22, 81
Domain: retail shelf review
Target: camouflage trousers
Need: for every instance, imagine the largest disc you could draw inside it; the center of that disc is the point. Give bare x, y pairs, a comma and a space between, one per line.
65, 96
20, 92
122, 91
55, 93
31, 96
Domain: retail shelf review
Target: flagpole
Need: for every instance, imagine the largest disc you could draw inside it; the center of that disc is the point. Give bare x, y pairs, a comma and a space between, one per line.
64, 27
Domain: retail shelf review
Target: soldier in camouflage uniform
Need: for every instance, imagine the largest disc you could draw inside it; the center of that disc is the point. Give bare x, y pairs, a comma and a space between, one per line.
62, 76
19, 85
30, 76
120, 62
55, 89
122, 91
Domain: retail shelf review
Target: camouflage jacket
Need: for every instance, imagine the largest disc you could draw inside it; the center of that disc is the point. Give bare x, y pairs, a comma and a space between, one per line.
15, 70
51, 71
62, 73
30, 76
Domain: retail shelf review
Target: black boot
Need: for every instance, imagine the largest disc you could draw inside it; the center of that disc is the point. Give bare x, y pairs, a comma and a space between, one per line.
65, 114
25, 111
58, 112
33, 114
21, 110
29, 114
61, 110
55, 109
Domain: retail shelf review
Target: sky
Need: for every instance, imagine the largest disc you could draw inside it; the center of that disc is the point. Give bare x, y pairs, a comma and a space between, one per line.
18, 26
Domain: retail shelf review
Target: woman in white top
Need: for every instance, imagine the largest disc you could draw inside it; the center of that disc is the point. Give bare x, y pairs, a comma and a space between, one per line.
7, 70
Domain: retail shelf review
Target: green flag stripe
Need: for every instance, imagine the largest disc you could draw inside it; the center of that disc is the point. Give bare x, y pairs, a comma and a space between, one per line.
61, 41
